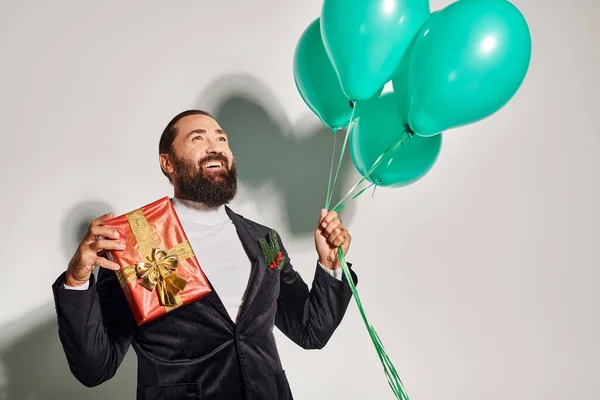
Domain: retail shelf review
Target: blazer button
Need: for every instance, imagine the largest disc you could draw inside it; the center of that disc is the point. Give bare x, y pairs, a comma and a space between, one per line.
240, 337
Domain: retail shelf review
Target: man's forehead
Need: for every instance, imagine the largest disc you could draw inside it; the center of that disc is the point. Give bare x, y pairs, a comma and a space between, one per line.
197, 121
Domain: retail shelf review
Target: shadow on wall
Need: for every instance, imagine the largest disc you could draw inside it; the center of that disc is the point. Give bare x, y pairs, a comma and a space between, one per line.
77, 221
295, 159
35, 368
33, 365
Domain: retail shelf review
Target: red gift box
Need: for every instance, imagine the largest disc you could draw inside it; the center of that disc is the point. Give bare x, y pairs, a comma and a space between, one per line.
159, 271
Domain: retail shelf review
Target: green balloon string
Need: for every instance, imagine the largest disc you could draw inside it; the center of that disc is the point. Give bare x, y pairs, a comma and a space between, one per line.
390, 371
398, 142
340, 208
373, 194
329, 186
339, 166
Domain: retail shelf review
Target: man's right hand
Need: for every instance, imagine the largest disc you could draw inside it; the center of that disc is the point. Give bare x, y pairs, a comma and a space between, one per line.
88, 254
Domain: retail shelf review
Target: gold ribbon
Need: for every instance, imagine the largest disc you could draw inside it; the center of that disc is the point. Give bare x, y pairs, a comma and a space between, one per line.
158, 271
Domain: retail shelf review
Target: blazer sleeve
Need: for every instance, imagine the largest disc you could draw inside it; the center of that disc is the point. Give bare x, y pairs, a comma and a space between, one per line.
309, 317
95, 327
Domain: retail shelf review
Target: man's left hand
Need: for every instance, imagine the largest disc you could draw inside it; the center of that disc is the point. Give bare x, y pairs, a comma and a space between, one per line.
329, 235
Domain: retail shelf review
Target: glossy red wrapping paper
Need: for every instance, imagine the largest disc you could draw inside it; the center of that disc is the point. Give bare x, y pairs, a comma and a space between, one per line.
166, 234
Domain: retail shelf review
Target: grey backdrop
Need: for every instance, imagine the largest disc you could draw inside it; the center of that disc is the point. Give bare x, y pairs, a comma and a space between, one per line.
481, 278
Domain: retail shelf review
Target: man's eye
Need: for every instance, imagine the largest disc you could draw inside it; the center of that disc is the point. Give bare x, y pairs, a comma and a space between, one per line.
222, 139
196, 137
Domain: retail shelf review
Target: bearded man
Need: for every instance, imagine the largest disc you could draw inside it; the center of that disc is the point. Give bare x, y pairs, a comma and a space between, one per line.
221, 346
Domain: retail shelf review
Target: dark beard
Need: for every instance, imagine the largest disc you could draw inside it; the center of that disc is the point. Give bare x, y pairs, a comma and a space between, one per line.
212, 189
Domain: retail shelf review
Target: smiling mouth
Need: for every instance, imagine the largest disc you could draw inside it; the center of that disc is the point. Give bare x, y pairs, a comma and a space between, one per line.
213, 165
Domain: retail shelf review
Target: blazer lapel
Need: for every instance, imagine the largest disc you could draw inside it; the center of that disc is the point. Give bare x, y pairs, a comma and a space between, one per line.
250, 243
215, 300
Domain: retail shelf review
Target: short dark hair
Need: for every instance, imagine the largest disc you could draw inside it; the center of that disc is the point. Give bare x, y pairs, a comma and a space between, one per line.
165, 145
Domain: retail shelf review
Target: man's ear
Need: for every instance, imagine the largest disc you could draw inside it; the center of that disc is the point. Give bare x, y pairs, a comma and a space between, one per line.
165, 163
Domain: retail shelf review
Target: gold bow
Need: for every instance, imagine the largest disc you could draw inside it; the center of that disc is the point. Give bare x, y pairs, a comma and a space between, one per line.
158, 272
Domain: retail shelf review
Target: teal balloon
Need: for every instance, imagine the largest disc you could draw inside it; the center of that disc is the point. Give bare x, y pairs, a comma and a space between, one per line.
366, 39
401, 79
317, 81
467, 63
375, 129
400, 84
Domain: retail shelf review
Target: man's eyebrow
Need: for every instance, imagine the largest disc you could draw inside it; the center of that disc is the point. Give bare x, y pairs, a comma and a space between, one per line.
221, 132
190, 133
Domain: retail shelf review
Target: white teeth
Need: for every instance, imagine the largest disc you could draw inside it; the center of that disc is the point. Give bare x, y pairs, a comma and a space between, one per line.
212, 164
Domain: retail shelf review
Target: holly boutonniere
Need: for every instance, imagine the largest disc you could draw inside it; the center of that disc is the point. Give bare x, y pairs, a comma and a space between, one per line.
271, 252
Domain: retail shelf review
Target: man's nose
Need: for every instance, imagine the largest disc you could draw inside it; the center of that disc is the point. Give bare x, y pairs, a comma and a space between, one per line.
214, 147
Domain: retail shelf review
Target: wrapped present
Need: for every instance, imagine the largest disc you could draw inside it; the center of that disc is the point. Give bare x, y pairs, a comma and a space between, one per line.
159, 271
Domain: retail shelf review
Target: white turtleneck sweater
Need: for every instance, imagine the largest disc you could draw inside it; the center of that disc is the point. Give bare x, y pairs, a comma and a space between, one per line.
213, 237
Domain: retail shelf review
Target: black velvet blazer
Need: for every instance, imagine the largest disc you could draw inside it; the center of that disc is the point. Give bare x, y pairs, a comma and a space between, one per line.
196, 351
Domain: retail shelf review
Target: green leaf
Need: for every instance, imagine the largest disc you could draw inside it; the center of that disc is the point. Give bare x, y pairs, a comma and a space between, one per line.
270, 249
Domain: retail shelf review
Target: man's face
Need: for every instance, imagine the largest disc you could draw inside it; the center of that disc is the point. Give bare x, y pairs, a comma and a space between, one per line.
201, 164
